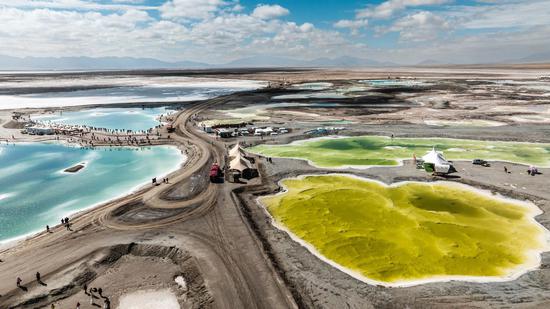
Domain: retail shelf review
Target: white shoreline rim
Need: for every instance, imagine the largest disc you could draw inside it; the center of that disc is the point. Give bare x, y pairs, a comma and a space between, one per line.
398, 160
44, 114
208, 84
533, 257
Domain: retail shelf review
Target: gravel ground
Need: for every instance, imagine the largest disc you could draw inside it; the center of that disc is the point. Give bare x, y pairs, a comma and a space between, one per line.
322, 286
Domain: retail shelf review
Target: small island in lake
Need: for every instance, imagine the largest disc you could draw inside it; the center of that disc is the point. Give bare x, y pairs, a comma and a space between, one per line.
75, 168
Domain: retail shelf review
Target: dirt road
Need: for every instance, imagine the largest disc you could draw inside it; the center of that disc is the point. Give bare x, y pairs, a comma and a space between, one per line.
206, 226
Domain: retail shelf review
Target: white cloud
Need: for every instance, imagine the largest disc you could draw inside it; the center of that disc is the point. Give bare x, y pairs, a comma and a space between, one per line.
129, 1
302, 42
69, 33
307, 27
264, 11
222, 30
237, 8
353, 25
504, 15
486, 48
237, 35
220, 35
388, 8
75, 5
420, 26
190, 9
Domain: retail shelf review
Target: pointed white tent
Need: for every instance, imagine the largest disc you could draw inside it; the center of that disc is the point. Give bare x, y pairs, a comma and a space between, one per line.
239, 163
440, 164
435, 157
236, 151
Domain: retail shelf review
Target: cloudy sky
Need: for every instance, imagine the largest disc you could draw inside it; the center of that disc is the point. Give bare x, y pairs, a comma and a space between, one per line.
217, 31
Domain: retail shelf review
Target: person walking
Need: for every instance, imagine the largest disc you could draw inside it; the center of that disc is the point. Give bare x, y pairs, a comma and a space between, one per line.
52, 306
506, 170
38, 277
19, 282
77, 305
47, 228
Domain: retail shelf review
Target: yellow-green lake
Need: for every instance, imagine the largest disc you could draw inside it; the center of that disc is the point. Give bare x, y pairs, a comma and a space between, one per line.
410, 232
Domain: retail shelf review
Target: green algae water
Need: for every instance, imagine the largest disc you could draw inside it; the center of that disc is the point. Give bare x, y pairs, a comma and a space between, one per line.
410, 231
379, 150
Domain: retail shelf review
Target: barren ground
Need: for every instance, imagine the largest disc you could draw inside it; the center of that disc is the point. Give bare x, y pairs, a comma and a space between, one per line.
221, 241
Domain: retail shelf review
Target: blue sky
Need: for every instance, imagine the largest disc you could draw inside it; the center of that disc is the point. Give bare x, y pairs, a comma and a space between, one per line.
218, 31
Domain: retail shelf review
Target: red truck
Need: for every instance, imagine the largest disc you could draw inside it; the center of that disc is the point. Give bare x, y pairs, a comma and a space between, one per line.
215, 172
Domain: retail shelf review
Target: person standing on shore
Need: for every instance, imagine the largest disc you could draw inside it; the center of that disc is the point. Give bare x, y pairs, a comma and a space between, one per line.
47, 228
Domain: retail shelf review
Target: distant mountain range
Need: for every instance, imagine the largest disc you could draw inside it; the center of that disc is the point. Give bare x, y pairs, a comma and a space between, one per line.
89, 63
8, 63
344, 61
534, 58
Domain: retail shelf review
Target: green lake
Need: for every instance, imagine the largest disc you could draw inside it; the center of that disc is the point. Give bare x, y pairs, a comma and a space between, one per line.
380, 150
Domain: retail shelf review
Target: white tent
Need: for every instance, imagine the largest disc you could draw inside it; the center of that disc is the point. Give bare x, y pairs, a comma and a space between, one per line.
440, 164
236, 151
239, 163
265, 131
435, 157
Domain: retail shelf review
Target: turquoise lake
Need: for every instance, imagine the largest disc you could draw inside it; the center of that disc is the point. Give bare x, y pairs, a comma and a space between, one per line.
394, 82
111, 118
34, 190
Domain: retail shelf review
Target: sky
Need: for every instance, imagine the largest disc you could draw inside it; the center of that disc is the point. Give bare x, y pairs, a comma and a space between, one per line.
219, 31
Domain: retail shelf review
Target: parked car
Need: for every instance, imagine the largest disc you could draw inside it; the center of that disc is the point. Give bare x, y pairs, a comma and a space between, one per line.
481, 162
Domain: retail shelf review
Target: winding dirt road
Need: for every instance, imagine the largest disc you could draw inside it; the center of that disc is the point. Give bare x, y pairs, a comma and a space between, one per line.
207, 223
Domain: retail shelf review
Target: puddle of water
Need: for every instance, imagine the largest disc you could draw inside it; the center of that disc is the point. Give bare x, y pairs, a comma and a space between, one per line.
161, 299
